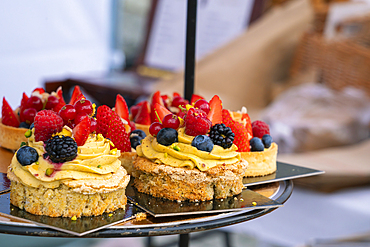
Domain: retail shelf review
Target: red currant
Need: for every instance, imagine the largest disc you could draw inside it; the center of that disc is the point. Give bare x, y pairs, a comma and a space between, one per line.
85, 106
171, 121
179, 101
155, 128
68, 112
93, 124
34, 102
29, 115
203, 105
80, 116
51, 102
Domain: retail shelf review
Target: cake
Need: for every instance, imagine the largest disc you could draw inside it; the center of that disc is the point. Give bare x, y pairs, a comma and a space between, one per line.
70, 166
180, 162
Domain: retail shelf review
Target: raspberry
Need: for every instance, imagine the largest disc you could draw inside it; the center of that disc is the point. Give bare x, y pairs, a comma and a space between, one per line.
260, 128
47, 123
61, 149
103, 117
241, 134
196, 122
117, 133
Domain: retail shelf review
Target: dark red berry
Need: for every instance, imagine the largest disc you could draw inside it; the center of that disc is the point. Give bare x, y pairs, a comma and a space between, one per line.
51, 102
203, 105
155, 128
68, 112
80, 116
179, 101
84, 106
28, 115
34, 102
171, 121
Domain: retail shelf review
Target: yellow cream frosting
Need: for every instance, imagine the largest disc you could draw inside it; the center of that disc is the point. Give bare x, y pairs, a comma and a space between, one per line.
94, 160
182, 154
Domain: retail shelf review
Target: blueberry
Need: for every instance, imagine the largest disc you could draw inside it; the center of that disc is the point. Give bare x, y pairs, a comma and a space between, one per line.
27, 155
24, 125
139, 133
203, 143
135, 141
256, 144
32, 126
267, 140
167, 136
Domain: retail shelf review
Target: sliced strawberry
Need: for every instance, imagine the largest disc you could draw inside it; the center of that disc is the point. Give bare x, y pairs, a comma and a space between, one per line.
175, 94
47, 123
118, 135
166, 100
248, 124
121, 108
215, 112
76, 95
241, 134
103, 117
81, 131
143, 116
156, 99
134, 110
40, 90
159, 112
194, 98
8, 116
23, 106
61, 103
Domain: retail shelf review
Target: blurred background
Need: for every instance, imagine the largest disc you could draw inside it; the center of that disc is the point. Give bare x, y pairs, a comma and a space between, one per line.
303, 66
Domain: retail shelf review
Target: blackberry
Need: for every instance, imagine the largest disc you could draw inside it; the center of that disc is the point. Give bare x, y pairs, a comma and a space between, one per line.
222, 135
61, 149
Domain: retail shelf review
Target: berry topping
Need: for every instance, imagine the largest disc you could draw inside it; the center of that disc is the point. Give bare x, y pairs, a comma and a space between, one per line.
84, 106
121, 107
27, 155
23, 105
215, 112
24, 125
143, 116
61, 102
167, 136
28, 115
203, 143
267, 140
241, 139
80, 116
222, 135
256, 145
138, 133
81, 131
103, 116
68, 112
155, 128
8, 116
61, 149
179, 101
171, 121
196, 122
34, 102
135, 141
260, 128
195, 98
51, 102
93, 124
47, 123
76, 95
159, 112
117, 133
203, 105
38, 90
134, 110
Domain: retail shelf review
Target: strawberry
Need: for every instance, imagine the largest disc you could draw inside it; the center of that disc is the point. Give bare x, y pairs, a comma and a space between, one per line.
117, 133
260, 128
175, 94
134, 110
103, 117
159, 112
8, 116
248, 124
132, 125
23, 106
121, 108
81, 131
143, 116
241, 134
39, 90
76, 95
47, 123
156, 99
196, 122
194, 98
61, 103
215, 112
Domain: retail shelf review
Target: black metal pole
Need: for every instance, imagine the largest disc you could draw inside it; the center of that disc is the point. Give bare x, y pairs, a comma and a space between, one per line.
190, 48
184, 240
